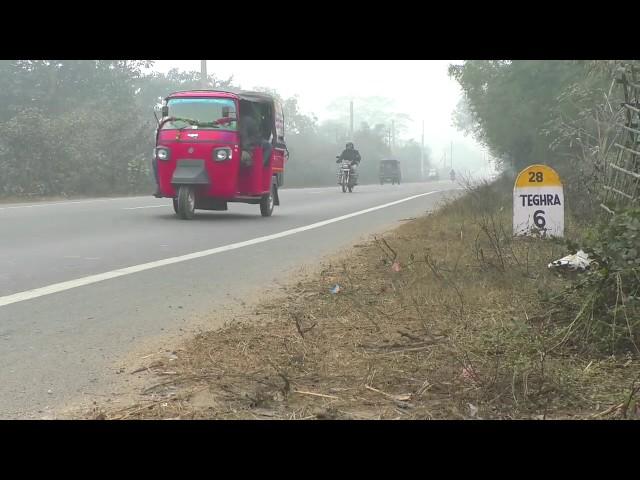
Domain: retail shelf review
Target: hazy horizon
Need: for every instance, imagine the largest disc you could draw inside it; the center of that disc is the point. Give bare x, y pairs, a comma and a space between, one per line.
419, 88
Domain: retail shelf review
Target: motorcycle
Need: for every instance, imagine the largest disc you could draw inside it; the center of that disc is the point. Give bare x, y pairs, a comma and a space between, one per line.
346, 177
452, 176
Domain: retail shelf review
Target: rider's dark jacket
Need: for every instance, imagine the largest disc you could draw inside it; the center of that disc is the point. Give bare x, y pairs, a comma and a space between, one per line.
350, 154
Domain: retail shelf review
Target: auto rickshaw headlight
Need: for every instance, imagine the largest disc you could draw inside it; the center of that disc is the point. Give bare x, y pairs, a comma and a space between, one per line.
162, 153
221, 154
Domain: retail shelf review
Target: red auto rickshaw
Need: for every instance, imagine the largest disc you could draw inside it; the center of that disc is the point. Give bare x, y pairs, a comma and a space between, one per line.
199, 158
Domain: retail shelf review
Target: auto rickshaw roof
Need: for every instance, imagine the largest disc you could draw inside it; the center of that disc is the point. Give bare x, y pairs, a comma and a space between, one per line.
258, 97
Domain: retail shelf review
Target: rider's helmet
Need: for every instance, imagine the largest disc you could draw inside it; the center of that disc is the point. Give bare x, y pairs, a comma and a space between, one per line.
350, 146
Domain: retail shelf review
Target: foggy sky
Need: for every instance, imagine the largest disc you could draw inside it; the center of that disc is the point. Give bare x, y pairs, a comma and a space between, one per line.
420, 88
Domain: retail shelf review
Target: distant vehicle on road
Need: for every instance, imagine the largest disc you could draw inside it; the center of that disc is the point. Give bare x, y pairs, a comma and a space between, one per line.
433, 174
390, 172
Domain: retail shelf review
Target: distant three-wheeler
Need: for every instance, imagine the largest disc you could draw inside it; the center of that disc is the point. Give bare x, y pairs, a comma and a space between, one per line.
390, 172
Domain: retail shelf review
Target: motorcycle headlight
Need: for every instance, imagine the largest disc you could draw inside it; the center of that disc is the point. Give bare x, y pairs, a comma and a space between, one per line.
222, 154
162, 153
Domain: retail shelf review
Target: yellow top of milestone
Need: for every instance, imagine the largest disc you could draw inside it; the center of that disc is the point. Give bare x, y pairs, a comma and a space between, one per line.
538, 176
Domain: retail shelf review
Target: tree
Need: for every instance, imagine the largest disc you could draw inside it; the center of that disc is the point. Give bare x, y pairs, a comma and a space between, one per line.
507, 104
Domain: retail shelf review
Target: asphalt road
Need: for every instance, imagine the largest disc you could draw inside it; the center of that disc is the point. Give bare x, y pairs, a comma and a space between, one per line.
84, 283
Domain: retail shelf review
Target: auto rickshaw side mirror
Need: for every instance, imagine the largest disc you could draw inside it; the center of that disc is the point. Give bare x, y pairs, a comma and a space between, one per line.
165, 111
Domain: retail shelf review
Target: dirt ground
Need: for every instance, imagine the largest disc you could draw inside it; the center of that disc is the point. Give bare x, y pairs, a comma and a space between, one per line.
438, 319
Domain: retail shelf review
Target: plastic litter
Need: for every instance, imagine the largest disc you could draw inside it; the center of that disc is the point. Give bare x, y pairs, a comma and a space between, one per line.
335, 289
578, 261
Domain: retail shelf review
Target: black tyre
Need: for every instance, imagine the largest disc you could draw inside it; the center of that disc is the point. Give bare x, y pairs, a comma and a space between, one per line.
175, 205
344, 187
267, 202
186, 202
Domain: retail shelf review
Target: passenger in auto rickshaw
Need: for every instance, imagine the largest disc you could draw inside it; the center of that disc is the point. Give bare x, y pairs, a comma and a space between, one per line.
251, 134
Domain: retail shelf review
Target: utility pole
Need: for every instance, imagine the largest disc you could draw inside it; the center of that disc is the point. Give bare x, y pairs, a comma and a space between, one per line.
393, 135
351, 120
203, 71
422, 154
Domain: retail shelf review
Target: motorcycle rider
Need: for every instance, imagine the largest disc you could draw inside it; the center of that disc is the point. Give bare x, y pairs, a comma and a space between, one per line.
352, 155
452, 175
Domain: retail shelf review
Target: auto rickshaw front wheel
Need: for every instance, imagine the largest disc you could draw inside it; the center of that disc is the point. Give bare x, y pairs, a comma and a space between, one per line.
186, 204
267, 202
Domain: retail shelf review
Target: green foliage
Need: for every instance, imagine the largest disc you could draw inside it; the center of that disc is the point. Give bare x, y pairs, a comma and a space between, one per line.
616, 245
605, 301
508, 104
73, 127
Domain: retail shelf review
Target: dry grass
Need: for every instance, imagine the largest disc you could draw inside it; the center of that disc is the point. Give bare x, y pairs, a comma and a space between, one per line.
458, 331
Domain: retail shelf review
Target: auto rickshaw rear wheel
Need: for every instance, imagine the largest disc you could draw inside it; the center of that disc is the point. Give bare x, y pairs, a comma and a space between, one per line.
175, 205
267, 202
186, 202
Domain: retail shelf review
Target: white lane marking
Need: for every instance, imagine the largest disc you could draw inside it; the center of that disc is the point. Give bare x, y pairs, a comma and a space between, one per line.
80, 282
37, 205
148, 206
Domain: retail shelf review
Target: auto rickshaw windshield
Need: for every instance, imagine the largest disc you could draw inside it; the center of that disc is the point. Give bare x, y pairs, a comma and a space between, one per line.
217, 113
389, 165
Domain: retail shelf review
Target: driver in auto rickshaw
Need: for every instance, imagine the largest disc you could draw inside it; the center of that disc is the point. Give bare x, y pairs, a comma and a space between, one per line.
251, 135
